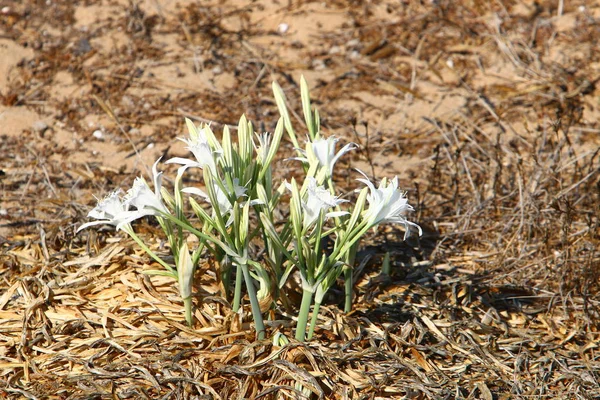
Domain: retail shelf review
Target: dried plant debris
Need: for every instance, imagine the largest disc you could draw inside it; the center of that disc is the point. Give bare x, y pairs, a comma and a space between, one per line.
488, 111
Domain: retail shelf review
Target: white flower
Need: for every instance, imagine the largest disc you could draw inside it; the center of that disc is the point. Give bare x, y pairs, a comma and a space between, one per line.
112, 211
114, 208
388, 204
319, 199
223, 199
225, 205
202, 151
323, 152
141, 196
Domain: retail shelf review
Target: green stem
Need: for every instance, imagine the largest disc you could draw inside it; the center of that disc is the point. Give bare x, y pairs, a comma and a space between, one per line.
303, 314
313, 320
350, 239
386, 265
156, 258
349, 277
225, 270
237, 294
187, 303
202, 236
256, 314
348, 286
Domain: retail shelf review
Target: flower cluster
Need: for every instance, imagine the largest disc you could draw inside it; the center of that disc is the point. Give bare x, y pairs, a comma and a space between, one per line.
239, 205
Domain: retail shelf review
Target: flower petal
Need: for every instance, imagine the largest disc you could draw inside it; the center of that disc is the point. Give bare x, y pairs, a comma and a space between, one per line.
196, 191
347, 148
181, 161
334, 214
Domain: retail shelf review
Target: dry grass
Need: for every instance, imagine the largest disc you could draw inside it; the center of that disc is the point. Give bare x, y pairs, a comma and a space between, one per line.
499, 299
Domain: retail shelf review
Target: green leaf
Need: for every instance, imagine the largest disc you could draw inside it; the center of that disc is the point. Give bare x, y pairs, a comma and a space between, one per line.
276, 140
308, 117
249, 146
160, 273
211, 138
281, 105
210, 182
201, 213
227, 151
178, 195
272, 233
296, 209
358, 208
244, 141
386, 265
317, 233
201, 235
277, 135
192, 130
167, 198
286, 273
263, 196
243, 225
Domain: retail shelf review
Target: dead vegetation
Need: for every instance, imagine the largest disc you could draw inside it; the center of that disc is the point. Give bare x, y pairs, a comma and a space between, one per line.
489, 113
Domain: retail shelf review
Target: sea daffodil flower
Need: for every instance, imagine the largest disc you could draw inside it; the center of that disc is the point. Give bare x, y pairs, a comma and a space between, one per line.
318, 199
143, 198
114, 208
200, 147
388, 204
111, 211
223, 201
323, 152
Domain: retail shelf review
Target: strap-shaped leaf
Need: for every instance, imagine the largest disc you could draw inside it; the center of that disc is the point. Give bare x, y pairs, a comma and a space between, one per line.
243, 223
281, 105
306, 110
227, 159
272, 233
160, 273
202, 214
192, 129
244, 141
358, 208
212, 195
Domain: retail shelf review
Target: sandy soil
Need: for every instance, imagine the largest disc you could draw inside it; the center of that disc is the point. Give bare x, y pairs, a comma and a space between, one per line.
149, 63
